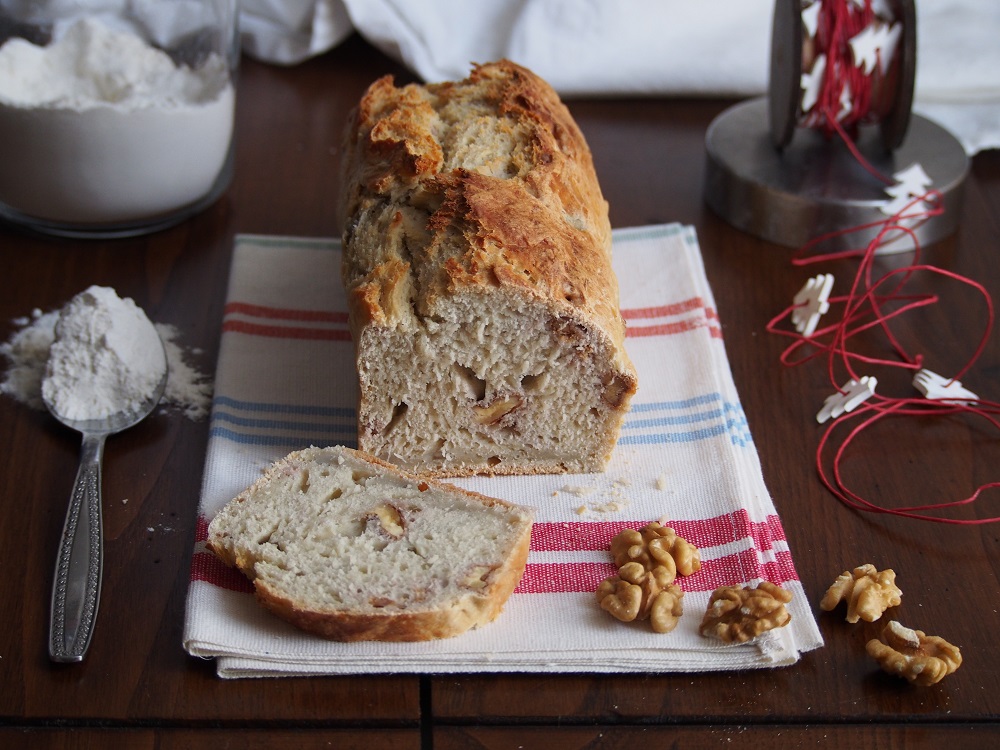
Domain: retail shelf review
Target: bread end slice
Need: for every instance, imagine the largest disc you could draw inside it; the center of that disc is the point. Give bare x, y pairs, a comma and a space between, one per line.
351, 548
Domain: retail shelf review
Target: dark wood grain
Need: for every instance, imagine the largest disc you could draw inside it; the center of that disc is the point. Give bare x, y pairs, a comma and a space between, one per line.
737, 737
209, 739
137, 679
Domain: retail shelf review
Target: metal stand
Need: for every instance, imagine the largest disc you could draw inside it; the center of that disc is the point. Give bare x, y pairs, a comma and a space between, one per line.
815, 186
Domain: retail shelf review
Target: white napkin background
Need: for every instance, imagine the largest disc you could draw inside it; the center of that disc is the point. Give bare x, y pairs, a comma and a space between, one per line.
286, 380
633, 47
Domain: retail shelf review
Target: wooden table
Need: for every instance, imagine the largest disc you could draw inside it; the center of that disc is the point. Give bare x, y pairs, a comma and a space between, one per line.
137, 685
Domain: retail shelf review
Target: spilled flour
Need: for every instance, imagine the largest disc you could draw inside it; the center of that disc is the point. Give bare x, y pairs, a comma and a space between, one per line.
27, 353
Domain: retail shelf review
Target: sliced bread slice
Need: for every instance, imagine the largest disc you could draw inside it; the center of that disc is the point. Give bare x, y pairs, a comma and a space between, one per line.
349, 547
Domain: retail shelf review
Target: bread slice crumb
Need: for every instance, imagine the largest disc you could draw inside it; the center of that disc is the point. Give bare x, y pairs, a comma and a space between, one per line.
351, 548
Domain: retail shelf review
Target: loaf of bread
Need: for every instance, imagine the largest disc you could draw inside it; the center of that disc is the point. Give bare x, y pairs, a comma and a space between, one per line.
477, 263
350, 548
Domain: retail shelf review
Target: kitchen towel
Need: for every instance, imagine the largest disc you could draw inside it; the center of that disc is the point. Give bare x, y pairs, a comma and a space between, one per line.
286, 380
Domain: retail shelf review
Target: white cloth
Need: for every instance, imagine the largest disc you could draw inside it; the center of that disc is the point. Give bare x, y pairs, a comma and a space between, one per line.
634, 47
286, 380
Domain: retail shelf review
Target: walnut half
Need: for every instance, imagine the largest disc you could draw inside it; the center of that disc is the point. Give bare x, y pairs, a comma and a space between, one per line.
638, 594
736, 614
648, 561
917, 657
867, 591
656, 545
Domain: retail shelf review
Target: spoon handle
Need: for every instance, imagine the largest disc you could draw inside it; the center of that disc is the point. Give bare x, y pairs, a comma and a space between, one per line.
76, 589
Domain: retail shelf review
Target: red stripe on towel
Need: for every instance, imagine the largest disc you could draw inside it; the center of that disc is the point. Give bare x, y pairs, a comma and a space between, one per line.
285, 313
286, 332
675, 327
207, 567
589, 536
663, 311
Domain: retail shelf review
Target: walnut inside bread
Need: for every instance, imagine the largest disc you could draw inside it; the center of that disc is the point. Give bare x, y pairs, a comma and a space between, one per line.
477, 261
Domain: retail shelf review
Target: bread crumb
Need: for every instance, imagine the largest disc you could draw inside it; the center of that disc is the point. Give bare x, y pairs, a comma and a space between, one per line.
616, 505
579, 491
612, 506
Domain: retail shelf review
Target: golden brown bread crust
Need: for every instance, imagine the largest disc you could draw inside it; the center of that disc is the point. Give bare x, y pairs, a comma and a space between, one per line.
516, 230
474, 194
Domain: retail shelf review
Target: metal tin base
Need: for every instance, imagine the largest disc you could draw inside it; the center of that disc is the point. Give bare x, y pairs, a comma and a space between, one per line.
815, 186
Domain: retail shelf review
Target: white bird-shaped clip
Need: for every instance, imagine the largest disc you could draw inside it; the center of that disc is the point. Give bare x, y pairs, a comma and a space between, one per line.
934, 386
847, 398
811, 302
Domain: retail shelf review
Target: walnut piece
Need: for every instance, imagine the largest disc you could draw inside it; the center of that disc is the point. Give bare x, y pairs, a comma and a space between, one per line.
666, 609
648, 561
619, 598
497, 410
385, 520
475, 577
656, 545
638, 594
867, 591
920, 658
737, 614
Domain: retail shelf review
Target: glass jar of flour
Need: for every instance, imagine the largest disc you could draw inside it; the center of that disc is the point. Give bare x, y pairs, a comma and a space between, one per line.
116, 116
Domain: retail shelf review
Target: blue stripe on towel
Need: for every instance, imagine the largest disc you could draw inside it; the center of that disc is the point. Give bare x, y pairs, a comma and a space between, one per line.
725, 418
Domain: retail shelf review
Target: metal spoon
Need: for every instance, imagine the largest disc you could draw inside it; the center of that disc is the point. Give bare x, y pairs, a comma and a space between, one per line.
76, 590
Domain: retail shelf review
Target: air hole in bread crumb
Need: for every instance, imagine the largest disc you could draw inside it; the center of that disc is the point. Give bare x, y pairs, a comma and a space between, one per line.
474, 384
534, 382
304, 481
438, 451
337, 492
493, 460
360, 476
398, 414
266, 538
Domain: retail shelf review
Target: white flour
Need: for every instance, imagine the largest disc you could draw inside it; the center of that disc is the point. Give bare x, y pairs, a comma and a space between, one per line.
106, 357
99, 127
28, 353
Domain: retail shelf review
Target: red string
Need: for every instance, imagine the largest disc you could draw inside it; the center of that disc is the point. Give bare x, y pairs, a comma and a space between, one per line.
883, 408
837, 24
873, 300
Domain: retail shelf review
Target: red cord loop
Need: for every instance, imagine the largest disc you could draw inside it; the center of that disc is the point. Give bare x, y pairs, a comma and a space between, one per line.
873, 301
